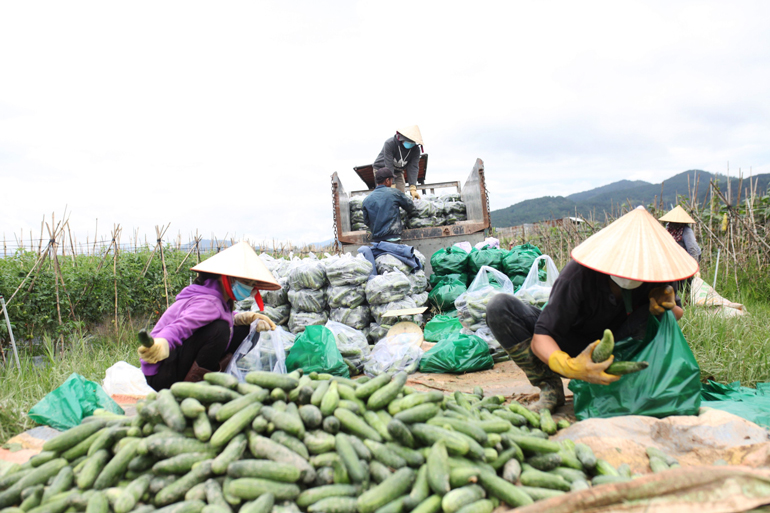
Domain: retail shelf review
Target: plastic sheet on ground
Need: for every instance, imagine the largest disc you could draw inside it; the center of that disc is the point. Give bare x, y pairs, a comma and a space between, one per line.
261, 351
748, 403
71, 402
315, 350
702, 294
387, 287
395, 353
125, 379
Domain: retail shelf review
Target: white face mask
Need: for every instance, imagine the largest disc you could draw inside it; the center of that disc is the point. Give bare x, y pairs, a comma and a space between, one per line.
624, 283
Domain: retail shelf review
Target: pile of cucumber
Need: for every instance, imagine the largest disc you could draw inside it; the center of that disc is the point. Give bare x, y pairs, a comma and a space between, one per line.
315, 443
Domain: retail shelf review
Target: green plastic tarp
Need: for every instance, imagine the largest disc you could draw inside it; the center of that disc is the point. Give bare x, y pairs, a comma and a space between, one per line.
452, 260
457, 353
444, 294
315, 349
669, 386
67, 405
748, 403
440, 326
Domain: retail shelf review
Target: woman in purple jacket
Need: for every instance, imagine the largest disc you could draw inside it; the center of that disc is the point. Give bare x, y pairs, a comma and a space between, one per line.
199, 333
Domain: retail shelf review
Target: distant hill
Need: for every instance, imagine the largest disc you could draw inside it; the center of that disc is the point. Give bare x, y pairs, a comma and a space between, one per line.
604, 198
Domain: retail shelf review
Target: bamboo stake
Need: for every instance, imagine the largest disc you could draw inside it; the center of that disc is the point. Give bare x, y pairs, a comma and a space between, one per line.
163, 259
115, 235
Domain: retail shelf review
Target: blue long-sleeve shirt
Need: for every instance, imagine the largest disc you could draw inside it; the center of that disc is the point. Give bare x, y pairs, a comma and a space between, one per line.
381, 213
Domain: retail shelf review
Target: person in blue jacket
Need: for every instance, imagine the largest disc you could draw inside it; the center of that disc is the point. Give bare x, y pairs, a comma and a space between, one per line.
381, 212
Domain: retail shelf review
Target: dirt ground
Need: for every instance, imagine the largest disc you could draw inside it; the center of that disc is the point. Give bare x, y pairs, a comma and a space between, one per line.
504, 378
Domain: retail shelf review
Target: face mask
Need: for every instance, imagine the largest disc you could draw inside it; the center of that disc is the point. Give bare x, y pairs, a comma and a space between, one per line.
624, 283
241, 291
408, 145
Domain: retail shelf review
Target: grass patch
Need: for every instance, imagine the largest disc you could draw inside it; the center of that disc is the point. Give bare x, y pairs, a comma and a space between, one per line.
88, 354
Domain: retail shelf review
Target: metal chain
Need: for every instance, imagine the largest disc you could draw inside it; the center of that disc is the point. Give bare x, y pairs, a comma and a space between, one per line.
336, 243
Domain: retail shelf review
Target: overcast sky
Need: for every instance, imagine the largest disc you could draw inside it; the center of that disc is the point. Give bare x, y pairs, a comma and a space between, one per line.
230, 117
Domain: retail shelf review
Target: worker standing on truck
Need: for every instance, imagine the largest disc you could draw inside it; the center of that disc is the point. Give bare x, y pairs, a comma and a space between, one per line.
381, 212
399, 154
199, 333
616, 279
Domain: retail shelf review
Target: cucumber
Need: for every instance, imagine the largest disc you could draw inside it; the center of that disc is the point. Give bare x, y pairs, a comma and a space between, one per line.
313, 495
541, 494
545, 462
398, 431
657, 465
604, 349
625, 470
394, 506
170, 411
547, 423
469, 428
382, 396
412, 400
80, 449
334, 505
350, 459
653, 451
90, 471
285, 421
215, 496
180, 464
569, 474
32, 499
504, 457
533, 444
202, 427
263, 504
374, 420
536, 478
132, 494
480, 506
495, 425
512, 470
563, 424
272, 380
355, 425
265, 448
371, 386
166, 447
278, 394
387, 491
98, 503
61, 483
204, 393
234, 425
429, 435
430, 505
460, 497
623, 368
570, 460
311, 416
319, 442
73, 436
420, 489
586, 456
579, 485
176, 491
248, 388
363, 452
419, 413
319, 393
350, 405
532, 417
197, 492
461, 476
39, 475
232, 453
413, 458
607, 479
331, 425
291, 442
514, 418
503, 490
330, 400
221, 378
231, 408
340, 473
265, 469
42, 457
117, 465
378, 472
249, 488
183, 507
438, 468
385, 455
603, 468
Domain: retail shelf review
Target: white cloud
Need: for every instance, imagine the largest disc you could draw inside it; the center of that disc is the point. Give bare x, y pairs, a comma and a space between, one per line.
230, 117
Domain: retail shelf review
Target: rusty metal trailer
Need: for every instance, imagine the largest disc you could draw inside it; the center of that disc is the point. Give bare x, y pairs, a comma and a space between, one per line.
427, 240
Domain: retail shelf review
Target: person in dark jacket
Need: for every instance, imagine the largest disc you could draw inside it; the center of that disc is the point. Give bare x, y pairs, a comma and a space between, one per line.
616, 280
399, 154
381, 212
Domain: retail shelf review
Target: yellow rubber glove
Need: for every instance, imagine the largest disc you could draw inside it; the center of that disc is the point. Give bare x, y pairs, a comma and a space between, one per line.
661, 299
582, 367
413, 192
246, 318
158, 352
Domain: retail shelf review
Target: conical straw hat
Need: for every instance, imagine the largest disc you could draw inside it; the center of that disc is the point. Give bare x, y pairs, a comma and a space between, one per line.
240, 261
636, 247
677, 215
411, 132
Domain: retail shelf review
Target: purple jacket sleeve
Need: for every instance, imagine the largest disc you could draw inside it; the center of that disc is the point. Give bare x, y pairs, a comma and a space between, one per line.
197, 312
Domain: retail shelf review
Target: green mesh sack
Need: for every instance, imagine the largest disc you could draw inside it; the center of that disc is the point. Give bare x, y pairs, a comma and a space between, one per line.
452, 260
491, 257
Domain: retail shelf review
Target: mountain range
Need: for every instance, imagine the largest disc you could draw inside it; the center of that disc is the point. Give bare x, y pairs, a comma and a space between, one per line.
602, 199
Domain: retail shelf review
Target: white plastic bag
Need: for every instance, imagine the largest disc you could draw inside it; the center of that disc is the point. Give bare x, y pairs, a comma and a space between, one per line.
490, 242
125, 379
465, 246
268, 354
534, 291
392, 354
472, 304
